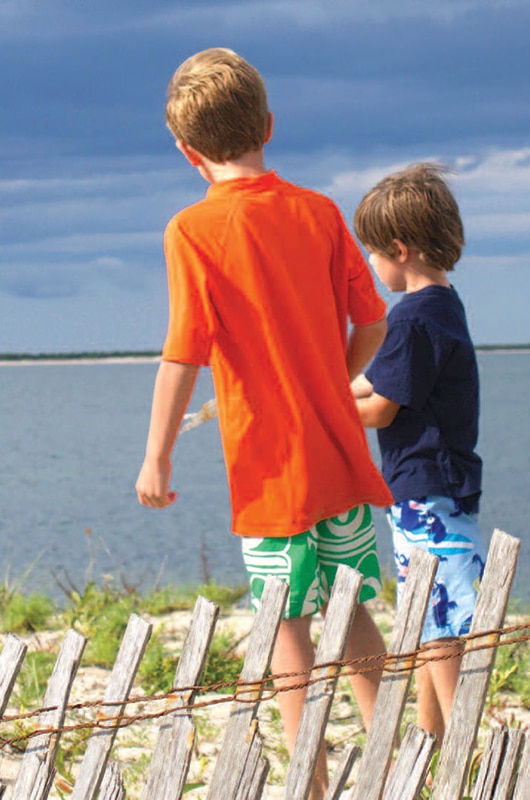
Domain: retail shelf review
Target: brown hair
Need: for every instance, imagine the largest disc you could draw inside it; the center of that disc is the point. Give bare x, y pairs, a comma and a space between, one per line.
217, 104
416, 207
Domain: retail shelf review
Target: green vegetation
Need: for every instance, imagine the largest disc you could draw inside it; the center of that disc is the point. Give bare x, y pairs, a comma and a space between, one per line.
21, 614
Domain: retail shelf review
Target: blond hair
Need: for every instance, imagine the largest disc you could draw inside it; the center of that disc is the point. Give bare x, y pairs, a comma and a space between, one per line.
415, 207
217, 104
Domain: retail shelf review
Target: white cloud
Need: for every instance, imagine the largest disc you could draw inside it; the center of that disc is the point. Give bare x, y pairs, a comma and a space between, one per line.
57, 18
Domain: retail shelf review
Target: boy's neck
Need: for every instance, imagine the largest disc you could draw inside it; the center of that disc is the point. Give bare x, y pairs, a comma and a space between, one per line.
249, 165
418, 276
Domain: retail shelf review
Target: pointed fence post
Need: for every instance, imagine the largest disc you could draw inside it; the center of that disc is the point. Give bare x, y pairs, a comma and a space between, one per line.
236, 744
256, 769
470, 694
522, 786
121, 680
171, 759
498, 767
317, 706
261, 771
11, 659
394, 686
410, 770
342, 772
112, 787
37, 770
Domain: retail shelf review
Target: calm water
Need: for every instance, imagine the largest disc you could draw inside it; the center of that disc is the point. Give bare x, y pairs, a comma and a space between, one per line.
72, 442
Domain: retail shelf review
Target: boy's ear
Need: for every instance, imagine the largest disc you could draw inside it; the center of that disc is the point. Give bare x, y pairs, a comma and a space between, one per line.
269, 129
402, 251
192, 155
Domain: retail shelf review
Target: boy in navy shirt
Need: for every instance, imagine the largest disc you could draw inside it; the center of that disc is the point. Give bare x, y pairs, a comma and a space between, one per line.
421, 392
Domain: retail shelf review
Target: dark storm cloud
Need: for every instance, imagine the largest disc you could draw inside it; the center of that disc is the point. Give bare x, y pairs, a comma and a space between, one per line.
95, 82
89, 175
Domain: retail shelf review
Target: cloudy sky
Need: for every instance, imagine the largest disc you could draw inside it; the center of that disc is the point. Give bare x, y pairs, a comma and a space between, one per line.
89, 175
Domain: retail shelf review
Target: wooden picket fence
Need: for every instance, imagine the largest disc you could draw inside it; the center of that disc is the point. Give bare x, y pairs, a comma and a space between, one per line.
241, 767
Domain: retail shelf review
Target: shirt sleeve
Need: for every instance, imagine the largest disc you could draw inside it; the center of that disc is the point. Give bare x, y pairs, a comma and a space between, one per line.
192, 323
404, 369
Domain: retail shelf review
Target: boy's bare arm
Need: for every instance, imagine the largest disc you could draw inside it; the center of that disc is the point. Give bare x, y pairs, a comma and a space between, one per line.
376, 411
173, 389
361, 387
363, 344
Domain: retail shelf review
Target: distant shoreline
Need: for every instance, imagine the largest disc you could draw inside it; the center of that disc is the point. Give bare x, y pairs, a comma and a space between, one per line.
48, 359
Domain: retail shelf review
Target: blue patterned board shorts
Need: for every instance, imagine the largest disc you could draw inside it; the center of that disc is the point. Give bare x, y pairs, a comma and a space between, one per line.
441, 526
308, 561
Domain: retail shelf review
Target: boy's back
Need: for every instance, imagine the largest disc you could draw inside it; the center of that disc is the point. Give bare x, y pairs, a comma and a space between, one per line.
427, 364
263, 275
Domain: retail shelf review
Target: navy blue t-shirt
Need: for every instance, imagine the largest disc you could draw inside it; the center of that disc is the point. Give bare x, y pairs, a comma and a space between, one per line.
427, 364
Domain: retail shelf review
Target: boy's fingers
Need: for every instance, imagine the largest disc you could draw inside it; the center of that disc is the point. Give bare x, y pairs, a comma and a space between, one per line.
155, 501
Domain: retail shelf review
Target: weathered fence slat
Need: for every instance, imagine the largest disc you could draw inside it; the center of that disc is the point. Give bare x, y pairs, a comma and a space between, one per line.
171, 759
470, 694
509, 766
252, 761
260, 773
121, 680
342, 772
11, 659
227, 773
393, 689
112, 787
408, 776
315, 714
497, 772
522, 786
37, 770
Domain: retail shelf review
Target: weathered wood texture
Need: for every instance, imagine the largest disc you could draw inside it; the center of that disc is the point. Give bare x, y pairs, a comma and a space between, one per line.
11, 659
256, 771
498, 768
252, 760
229, 767
410, 770
392, 694
332, 647
342, 772
171, 759
37, 771
112, 787
461, 734
121, 680
522, 785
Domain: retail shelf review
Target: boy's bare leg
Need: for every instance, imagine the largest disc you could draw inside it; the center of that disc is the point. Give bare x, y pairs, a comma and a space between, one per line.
436, 684
365, 640
294, 652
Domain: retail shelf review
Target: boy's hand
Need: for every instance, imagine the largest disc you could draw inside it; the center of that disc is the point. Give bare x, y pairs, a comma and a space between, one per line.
152, 486
361, 386
173, 388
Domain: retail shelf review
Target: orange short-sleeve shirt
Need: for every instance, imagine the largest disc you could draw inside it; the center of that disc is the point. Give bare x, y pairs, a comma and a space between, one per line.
263, 276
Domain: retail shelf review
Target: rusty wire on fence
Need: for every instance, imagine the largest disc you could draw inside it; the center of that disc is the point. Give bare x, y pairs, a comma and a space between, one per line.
393, 663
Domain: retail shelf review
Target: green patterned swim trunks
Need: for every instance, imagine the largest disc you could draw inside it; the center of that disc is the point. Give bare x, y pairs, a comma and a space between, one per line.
308, 562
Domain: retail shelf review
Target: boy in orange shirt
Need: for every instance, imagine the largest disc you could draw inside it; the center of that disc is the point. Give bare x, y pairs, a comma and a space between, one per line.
263, 276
